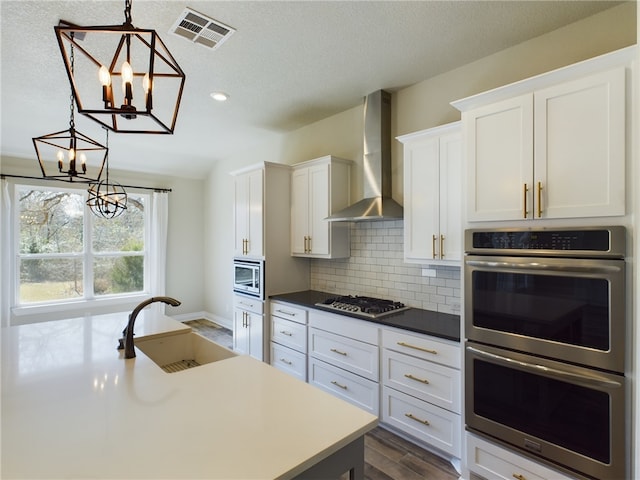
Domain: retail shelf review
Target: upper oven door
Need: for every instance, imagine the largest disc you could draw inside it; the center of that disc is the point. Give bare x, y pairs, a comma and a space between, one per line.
568, 309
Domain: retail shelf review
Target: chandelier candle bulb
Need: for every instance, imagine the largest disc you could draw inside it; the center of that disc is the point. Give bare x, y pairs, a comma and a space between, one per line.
146, 86
127, 80
105, 80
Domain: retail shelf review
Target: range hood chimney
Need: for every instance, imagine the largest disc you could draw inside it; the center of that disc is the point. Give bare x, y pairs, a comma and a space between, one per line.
377, 203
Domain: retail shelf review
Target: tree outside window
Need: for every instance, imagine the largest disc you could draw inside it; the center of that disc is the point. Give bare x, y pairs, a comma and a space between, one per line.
66, 253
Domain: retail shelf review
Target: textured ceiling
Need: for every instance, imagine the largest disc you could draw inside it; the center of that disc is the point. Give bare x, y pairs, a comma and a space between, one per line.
287, 65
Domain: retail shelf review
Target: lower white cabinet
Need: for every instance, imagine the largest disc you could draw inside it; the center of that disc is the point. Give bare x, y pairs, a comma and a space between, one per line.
422, 388
433, 425
289, 338
344, 358
248, 329
353, 388
289, 361
493, 462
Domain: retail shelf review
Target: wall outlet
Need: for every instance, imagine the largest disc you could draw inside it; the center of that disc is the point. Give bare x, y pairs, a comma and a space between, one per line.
428, 272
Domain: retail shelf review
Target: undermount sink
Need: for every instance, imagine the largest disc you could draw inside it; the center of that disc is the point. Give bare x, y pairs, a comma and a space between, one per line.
180, 351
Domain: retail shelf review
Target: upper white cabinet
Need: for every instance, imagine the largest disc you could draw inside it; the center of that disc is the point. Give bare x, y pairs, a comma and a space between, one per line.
433, 195
247, 213
549, 147
319, 188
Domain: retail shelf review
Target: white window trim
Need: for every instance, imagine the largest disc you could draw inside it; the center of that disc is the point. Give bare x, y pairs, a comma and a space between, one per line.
39, 312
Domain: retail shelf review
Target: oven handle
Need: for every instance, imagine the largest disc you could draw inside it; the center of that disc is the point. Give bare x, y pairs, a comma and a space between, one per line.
548, 371
542, 266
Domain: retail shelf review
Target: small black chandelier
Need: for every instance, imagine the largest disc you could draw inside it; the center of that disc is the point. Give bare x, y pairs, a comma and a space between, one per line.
71, 149
152, 81
107, 199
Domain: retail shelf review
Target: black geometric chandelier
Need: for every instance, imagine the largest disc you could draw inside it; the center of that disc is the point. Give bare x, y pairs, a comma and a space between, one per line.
107, 199
125, 78
71, 150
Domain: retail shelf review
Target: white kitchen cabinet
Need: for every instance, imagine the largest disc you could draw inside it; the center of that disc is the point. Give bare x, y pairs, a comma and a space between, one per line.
248, 221
422, 389
248, 331
553, 152
319, 188
289, 338
490, 461
344, 358
433, 195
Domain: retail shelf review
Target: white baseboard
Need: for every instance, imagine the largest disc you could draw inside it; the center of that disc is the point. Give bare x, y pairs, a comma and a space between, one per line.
185, 317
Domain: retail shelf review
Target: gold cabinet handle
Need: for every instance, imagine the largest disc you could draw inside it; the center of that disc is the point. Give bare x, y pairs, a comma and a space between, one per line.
518, 476
433, 246
441, 246
413, 417
539, 199
339, 352
344, 387
283, 360
421, 380
524, 193
408, 345
284, 312
309, 251
284, 332
305, 244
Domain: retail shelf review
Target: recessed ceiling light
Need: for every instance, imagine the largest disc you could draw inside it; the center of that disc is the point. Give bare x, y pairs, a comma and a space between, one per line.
219, 96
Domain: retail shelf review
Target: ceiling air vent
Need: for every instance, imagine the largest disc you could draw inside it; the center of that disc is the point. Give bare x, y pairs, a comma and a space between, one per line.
200, 29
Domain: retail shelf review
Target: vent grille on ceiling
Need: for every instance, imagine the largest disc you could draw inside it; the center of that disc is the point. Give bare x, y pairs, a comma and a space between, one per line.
200, 29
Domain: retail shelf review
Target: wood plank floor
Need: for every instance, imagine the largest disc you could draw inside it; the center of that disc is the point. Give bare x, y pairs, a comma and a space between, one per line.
389, 457
386, 455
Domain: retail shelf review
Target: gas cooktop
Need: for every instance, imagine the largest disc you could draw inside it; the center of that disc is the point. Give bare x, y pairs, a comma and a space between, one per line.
365, 306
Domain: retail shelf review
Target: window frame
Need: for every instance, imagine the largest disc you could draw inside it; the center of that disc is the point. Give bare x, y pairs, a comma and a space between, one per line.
89, 302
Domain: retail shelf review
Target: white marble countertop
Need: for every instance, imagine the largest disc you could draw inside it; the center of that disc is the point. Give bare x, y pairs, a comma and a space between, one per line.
73, 407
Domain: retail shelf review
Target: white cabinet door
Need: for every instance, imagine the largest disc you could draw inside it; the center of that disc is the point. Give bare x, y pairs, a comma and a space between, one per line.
579, 161
248, 332
299, 210
248, 214
433, 195
318, 188
499, 142
422, 198
319, 209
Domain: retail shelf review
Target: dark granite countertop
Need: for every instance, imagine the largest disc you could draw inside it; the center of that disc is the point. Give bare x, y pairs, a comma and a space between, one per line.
443, 325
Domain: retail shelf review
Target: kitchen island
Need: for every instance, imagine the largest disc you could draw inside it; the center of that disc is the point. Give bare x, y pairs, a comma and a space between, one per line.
73, 407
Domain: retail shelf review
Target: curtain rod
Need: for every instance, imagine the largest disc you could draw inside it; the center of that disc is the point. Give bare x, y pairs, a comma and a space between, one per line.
3, 175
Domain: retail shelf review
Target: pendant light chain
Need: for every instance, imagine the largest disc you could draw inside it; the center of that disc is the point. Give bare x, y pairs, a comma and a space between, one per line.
127, 12
72, 122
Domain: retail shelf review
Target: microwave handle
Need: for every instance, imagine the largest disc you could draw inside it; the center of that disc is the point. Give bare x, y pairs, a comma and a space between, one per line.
548, 371
542, 266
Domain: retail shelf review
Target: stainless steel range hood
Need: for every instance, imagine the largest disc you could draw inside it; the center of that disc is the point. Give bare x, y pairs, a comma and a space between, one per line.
377, 203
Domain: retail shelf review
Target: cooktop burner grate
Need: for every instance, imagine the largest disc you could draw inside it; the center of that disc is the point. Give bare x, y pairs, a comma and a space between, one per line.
365, 306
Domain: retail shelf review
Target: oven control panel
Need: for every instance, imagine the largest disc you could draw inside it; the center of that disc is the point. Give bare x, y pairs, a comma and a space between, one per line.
597, 240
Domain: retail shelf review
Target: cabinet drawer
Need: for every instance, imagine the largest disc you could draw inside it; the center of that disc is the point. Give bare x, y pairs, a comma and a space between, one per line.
493, 462
249, 304
288, 311
428, 423
422, 379
422, 346
288, 333
289, 361
353, 355
354, 389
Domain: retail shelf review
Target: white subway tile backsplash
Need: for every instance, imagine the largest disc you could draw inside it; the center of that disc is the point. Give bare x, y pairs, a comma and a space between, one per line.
376, 268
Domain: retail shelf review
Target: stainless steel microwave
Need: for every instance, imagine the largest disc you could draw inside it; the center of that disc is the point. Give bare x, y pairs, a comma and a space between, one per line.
248, 277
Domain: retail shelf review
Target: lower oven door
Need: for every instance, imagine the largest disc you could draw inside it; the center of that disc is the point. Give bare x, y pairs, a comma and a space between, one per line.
563, 414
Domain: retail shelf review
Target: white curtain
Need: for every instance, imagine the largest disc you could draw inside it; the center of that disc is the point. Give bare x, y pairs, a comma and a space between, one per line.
5, 254
158, 244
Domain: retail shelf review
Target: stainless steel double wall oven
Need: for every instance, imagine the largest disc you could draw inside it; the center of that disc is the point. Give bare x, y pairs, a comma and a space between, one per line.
545, 350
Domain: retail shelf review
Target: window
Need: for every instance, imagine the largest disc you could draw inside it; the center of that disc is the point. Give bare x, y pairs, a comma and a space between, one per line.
66, 253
